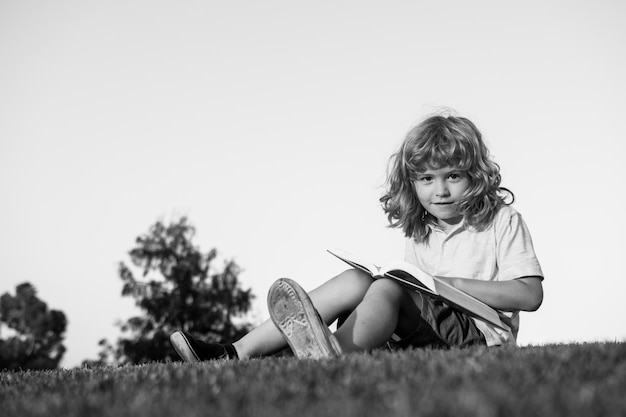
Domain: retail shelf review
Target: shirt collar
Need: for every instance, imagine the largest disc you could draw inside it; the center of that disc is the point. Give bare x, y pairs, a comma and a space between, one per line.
434, 227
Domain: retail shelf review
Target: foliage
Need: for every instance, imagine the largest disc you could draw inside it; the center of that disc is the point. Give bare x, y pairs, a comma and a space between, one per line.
179, 289
37, 340
557, 380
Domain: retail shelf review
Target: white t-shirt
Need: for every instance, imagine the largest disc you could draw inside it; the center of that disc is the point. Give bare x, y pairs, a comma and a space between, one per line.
503, 251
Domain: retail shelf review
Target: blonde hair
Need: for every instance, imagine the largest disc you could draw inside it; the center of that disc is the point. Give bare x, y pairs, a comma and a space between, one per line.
437, 142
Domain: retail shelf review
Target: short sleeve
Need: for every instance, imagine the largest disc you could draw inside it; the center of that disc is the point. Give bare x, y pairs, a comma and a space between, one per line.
515, 255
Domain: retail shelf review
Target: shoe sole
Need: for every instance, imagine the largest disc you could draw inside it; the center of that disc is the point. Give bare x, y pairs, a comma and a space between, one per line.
183, 348
293, 314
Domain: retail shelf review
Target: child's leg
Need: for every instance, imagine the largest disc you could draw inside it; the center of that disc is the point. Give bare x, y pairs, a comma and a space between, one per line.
386, 308
335, 297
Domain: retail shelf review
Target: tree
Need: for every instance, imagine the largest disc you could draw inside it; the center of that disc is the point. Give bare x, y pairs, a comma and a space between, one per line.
179, 289
37, 333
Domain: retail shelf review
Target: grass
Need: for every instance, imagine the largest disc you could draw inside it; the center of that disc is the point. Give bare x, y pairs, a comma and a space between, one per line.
556, 380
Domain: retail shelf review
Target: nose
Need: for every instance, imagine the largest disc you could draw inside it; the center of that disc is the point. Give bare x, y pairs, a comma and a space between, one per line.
441, 189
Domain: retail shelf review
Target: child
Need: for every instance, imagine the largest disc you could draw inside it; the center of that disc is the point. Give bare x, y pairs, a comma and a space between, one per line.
444, 191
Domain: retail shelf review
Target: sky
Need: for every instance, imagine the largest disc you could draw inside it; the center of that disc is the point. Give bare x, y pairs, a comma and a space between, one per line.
270, 124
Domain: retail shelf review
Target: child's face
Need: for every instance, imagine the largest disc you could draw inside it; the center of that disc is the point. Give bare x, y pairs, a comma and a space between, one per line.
439, 191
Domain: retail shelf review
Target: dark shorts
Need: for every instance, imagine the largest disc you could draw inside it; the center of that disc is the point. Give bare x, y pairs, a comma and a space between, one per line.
441, 326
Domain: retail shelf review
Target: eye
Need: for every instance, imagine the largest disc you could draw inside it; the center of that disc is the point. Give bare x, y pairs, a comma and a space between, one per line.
456, 176
424, 178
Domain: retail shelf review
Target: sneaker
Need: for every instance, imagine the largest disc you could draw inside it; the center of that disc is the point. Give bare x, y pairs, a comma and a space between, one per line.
299, 322
192, 350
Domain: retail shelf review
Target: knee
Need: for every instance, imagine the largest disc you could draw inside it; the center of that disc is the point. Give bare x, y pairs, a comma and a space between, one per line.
386, 289
353, 281
355, 278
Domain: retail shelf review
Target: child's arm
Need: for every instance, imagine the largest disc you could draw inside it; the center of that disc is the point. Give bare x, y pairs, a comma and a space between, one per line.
525, 293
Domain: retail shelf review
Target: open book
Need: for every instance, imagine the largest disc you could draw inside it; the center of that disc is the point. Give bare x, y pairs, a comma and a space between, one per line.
415, 279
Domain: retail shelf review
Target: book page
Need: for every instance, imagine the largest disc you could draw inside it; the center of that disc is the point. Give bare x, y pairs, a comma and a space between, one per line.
355, 261
419, 277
